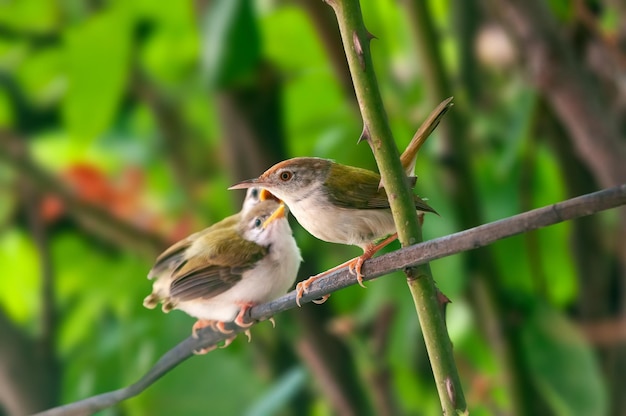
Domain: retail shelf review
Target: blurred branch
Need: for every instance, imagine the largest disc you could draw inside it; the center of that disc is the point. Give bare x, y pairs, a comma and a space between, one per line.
94, 218
48, 371
379, 377
251, 118
174, 131
591, 254
398, 260
608, 332
551, 63
331, 362
25, 383
466, 17
312, 353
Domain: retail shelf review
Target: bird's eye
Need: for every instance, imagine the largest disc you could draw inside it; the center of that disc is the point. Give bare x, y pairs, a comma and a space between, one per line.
285, 175
257, 223
255, 193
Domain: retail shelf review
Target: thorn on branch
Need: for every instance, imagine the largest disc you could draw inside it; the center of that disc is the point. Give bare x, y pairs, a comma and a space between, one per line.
365, 135
443, 301
358, 48
369, 35
450, 391
442, 298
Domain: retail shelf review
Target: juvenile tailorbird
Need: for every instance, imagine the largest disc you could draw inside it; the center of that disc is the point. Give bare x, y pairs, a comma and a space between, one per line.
219, 273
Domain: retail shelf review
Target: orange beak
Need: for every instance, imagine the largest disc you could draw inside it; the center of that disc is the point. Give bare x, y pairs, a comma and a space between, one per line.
277, 214
265, 194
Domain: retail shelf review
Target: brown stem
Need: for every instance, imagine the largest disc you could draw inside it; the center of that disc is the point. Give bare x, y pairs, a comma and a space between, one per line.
49, 369
26, 385
173, 131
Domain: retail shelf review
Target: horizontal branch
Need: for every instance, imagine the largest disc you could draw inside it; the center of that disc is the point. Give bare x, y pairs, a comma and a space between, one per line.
398, 260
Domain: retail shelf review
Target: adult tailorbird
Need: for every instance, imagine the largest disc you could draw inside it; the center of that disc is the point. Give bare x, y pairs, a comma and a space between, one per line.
335, 203
343, 204
219, 273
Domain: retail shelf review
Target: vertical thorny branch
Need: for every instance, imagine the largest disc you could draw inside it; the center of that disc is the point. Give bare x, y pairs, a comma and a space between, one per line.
377, 132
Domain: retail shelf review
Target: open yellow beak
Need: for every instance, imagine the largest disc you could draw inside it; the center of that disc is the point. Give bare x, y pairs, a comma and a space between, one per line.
265, 195
277, 214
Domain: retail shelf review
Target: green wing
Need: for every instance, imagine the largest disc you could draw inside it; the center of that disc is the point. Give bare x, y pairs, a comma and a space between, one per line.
218, 268
360, 189
173, 256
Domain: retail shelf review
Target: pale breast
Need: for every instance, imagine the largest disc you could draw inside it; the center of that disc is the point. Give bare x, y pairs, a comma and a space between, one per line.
342, 225
272, 277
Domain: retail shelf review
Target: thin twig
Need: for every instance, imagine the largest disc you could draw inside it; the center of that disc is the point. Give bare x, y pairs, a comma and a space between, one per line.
398, 260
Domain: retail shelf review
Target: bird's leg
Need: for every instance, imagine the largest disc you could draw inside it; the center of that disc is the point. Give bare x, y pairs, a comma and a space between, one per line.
303, 286
245, 307
355, 264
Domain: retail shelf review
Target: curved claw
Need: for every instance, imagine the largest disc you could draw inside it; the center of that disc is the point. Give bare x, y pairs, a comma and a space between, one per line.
321, 300
355, 268
271, 319
300, 291
228, 341
199, 324
219, 326
204, 350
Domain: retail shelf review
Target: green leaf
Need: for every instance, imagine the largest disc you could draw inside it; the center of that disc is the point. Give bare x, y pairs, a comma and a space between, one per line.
170, 54
231, 41
19, 292
37, 16
563, 365
98, 57
41, 77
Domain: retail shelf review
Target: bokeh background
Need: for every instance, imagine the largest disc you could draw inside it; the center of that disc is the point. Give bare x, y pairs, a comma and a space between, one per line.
123, 123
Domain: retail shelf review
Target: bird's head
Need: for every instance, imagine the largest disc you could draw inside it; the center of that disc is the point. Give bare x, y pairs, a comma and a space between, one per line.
291, 180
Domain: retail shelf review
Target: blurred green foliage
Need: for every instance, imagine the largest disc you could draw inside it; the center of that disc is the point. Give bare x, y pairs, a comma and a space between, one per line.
79, 85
